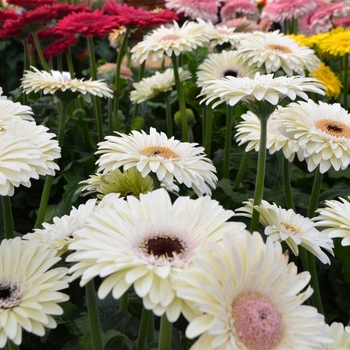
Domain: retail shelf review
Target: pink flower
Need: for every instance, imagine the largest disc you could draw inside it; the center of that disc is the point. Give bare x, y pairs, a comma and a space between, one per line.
239, 8
204, 9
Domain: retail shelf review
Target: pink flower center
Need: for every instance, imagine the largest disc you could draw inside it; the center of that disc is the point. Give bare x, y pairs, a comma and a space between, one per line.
170, 37
257, 323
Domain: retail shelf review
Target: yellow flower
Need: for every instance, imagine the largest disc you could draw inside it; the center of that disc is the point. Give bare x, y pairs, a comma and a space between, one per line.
337, 43
329, 79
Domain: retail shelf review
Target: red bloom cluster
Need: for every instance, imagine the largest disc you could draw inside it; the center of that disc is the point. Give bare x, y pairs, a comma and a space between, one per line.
30, 4
88, 24
62, 10
140, 18
61, 45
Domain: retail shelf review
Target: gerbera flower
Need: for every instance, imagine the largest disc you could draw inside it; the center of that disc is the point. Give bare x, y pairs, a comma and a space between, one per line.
342, 337
241, 25
250, 298
285, 9
152, 86
170, 40
56, 82
248, 131
29, 289
26, 152
168, 159
204, 9
274, 51
61, 233
287, 226
239, 8
261, 88
337, 43
109, 68
7, 14
322, 131
129, 182
59, 46
221, 65
335, 220
329, 79
30, 4
88, 24
146, 243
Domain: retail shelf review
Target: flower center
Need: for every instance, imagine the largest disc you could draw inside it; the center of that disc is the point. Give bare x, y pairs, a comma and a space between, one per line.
170, 37
154, 151
230, 73
334, 128
291, 228
257, 323
163, 246
280, 48
11, 293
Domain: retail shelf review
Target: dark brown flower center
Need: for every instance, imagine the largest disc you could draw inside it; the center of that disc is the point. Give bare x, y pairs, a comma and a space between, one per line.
230, 73
10, 294
334, 128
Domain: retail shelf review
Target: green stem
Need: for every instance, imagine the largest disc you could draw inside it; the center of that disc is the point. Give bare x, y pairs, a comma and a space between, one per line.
287, 185
123, 302
208, 129
169, 117
95, 100
8, 218
40, 52
345, 88
165, 333
260, 176
241, 170
70, 62
94, 320
150, 332
181, 99
228, 141
144, 325
117, 77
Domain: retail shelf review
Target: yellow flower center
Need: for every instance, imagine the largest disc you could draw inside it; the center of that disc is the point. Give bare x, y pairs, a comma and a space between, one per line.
334, 128
291, 228
159, 151
280, 48
170, 37
163, 246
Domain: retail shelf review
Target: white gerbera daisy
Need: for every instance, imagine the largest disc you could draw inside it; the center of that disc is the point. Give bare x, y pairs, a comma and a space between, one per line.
322, 131
287, 226
248, 131
146, 242
221, 65
26, 151
29, 289
250, 298
168, 159
10, 110
56, 81
341, 336
170, 40
274, 50
335, 219
150, 87
61, 233
261, 88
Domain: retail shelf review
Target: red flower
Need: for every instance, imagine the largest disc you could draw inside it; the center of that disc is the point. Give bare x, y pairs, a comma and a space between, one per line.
87, 24
130, 16
45, 36
30, 4
62, 10
13, 32
61, 45
7, 14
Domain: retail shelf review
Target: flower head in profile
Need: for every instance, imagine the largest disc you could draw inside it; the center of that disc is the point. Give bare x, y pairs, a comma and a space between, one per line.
146, 243
239, 8
282, 10
204, 9
30, 4
334, 219
322, 131
260, 88
274, 51
29, 289
341, 336
250, 298
59, 46
127, 183
287, 226
170, 40
26, 151
329, 79
337, 43
88, 24
155, 154
58, 83
61, 233
248, 131
221, 65
154, 85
